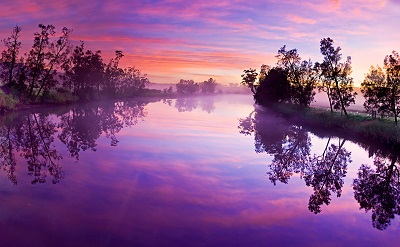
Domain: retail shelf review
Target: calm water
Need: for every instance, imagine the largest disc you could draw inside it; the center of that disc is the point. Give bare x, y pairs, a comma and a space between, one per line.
209, 171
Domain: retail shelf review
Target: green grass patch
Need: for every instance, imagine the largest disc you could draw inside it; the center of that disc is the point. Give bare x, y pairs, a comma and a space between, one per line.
361, 126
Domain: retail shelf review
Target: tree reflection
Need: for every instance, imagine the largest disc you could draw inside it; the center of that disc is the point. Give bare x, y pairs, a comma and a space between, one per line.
32, 136
188, 104
379, 190
290, 146
325, 174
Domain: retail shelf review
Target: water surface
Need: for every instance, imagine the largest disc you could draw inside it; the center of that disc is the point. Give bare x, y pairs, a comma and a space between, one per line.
212, 171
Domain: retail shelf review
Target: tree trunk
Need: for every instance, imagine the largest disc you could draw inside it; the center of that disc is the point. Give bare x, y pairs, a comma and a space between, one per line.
340, 97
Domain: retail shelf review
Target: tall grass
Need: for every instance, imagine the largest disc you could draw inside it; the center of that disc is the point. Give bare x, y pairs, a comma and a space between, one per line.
380, 131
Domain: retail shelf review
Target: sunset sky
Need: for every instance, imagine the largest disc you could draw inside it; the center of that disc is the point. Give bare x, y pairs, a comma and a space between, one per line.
180, 39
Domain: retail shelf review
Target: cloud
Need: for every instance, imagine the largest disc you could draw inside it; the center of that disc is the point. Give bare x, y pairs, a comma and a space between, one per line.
301, 20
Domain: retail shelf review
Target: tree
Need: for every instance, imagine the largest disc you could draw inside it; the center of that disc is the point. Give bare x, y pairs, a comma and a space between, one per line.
9, 57
249, 79
44, 57
301, 76
376, 91
84, 72
274, 87
187, 87
57, 55
131, 81
334, 72
112, 75
37, 55
392, 69
208, 87
381, 87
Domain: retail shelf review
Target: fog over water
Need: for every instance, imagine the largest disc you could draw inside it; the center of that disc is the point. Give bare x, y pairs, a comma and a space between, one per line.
200, 171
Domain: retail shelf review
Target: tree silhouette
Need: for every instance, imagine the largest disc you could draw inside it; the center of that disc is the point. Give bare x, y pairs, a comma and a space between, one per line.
336, 76
300, 74
273, 88
84, 72
376, 91
208, 87
249, 79
187, 87
10, 62
44, 57
379, 190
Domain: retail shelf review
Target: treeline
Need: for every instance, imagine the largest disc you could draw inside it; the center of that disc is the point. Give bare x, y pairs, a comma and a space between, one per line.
296, 81
53, 70
191, 87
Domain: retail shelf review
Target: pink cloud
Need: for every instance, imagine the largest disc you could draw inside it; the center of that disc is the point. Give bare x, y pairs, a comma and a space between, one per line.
301, 20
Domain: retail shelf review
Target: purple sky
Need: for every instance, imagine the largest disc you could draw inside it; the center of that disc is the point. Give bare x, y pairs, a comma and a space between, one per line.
179, 39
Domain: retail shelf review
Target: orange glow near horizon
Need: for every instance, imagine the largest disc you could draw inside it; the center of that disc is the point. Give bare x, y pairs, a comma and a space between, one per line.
172, 40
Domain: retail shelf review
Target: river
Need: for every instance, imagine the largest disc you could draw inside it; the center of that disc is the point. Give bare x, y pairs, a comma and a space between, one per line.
210, 171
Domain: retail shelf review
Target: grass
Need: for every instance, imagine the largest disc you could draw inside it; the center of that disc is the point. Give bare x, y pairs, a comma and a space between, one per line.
7, 102
362, 127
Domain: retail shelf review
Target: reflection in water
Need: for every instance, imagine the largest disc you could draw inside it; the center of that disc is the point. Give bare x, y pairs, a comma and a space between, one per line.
290, 146
376, 189
188, 104
379, 190
32, 136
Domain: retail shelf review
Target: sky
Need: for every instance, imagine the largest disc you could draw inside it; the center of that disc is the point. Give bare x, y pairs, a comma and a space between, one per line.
180, 39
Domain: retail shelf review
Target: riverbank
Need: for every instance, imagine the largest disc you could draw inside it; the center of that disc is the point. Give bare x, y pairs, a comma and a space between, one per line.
360, 126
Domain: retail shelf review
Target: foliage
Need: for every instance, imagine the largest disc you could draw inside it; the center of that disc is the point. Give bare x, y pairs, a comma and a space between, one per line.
51, 65
84, 72
273, 88
336, 76
10, 63
379, 190
381, 88
208, 87
300, 74
187, 87
249, 79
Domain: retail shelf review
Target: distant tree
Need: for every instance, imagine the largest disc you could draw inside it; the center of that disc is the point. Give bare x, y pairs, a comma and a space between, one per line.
9, 57
187, 87
301, 76
273, 88
337, 73
208, 87
168, 90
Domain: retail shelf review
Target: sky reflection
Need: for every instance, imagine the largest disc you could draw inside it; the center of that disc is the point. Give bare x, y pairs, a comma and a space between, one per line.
162, 185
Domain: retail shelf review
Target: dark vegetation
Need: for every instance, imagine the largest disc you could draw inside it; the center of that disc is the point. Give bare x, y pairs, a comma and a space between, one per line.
53, 71
30, 135
290, 86
376, 188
